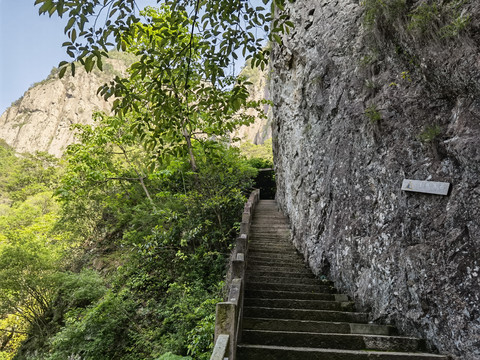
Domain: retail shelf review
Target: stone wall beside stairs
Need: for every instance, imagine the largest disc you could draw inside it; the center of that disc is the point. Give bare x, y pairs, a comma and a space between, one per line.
413, 260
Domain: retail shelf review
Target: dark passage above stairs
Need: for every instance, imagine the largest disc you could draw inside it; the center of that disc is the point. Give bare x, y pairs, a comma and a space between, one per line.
289, 314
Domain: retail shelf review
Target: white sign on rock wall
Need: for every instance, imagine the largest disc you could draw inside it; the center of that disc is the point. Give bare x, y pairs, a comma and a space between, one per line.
427, 187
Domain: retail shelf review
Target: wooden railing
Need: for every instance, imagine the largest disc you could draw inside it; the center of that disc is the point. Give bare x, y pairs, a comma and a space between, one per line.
228, 319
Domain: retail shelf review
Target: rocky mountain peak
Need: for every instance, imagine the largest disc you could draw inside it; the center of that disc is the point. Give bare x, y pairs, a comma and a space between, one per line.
40, 120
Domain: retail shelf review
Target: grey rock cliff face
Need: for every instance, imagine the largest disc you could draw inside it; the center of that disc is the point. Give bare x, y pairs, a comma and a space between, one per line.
351, 108
41, 119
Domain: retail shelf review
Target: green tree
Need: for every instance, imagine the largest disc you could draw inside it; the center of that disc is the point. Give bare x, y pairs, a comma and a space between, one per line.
169, 93
229, 26
180, 91
30, 253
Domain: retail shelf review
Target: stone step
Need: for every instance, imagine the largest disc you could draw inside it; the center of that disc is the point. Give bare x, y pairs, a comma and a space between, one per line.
298, 268
315, 289
271, 235
280, 249
263, 261
283, 280
272, 242
254, 266
282, 240
270, 223
335, 341
273, 294
283, 274
269, 227
268, 239
265, 352
270, 255
268, 219
266, 225
304, 314
274, 245
317, 326
300, 304
273, 254
259, 212
275, 261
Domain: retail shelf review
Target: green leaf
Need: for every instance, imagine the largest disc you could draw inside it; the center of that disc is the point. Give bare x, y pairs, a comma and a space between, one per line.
278, 39
62, 72
89, 62
46, 7
70, 23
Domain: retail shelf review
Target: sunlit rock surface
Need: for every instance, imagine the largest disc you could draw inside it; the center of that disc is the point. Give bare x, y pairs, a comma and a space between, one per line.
41, 119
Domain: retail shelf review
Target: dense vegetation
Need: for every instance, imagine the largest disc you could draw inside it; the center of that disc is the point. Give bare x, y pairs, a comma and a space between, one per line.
113, 273
118, 250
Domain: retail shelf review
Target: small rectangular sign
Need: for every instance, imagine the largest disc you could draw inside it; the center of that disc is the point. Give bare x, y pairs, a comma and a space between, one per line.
428, 187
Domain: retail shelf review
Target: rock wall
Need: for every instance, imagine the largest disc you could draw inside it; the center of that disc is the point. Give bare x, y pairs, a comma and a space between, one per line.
356, 110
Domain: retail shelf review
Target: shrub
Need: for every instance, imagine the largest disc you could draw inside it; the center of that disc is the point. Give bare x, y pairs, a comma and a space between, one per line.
459, 24
422, 18
373, 114
430, 134
381, 11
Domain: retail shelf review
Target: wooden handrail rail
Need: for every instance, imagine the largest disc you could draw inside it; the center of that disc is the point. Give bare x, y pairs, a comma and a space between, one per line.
228, 318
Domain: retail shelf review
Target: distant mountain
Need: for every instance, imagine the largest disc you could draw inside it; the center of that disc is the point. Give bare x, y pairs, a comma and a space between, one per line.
261, 129
41, 119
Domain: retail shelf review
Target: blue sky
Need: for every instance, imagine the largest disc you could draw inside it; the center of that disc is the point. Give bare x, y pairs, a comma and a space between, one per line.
30, 46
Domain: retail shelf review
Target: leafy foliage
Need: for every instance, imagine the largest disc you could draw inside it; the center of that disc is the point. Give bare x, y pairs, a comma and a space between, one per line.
260, 156
129, 264
169, 229
373, 114
157, 291
175, 97
12, 334
228, 27
381, 12
430, 134
434, 19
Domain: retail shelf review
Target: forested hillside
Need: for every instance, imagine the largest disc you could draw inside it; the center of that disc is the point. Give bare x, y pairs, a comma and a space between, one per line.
118, 249
111, 264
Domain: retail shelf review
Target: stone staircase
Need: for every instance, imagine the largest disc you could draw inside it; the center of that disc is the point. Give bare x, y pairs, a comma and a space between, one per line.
289, 314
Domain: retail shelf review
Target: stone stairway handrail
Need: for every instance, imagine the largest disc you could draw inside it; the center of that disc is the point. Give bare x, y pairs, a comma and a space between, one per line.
229, 313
